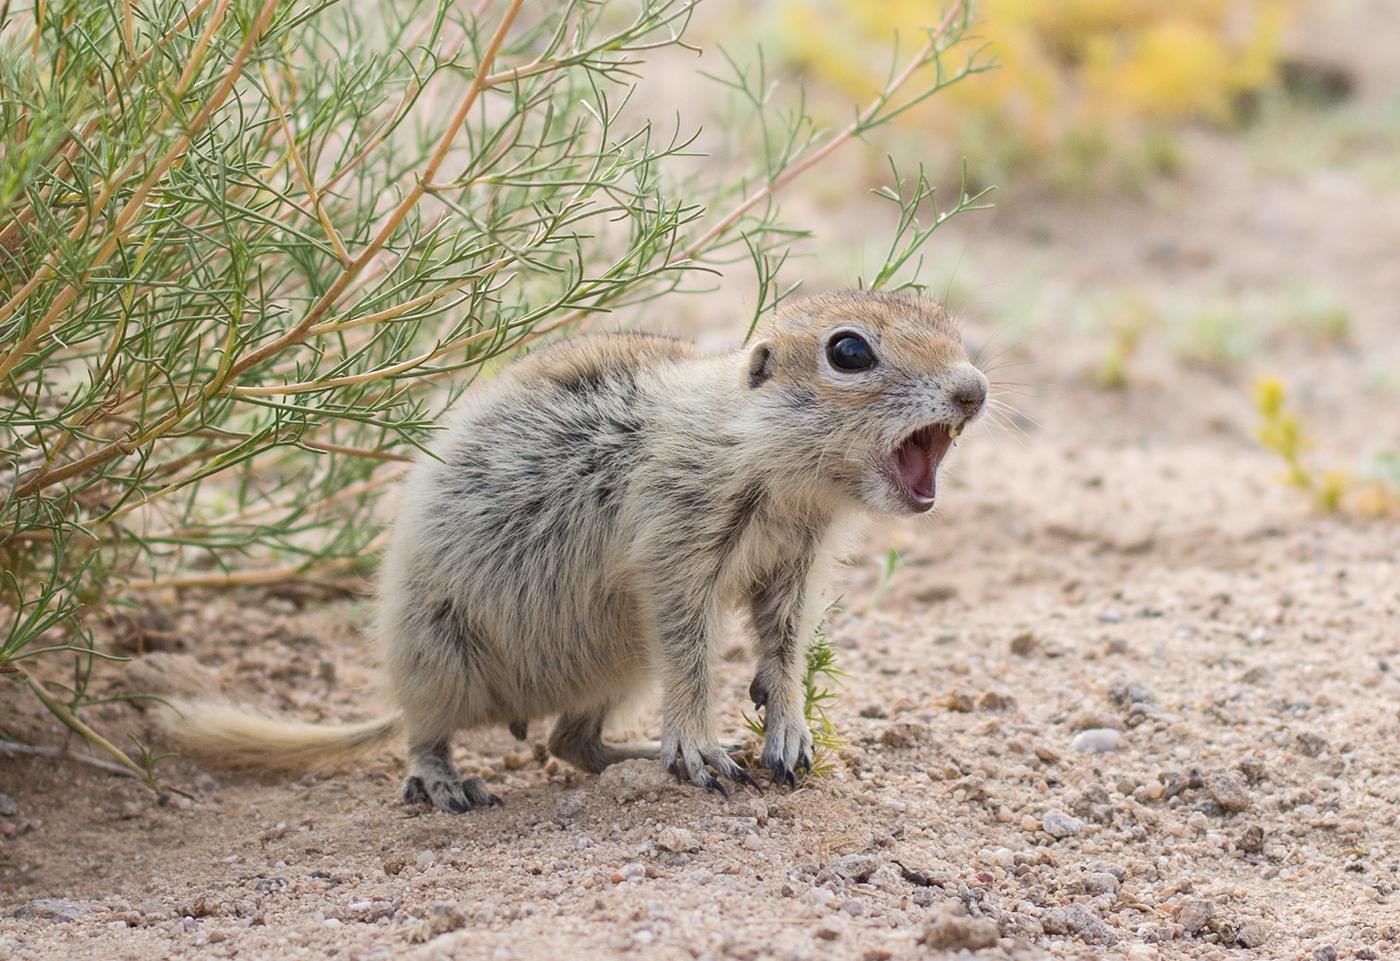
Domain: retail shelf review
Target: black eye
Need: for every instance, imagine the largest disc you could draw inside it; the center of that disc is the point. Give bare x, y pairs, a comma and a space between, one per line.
850, 352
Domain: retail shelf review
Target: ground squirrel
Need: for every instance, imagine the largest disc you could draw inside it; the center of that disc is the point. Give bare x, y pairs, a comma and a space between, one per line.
592, 512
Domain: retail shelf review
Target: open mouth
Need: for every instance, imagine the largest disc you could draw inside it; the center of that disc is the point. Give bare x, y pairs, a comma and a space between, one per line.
915, 462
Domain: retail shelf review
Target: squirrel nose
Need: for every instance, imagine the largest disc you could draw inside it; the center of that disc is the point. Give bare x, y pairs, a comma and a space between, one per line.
970, 397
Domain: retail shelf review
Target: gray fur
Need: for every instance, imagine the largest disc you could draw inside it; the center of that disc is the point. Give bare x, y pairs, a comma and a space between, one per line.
597, 509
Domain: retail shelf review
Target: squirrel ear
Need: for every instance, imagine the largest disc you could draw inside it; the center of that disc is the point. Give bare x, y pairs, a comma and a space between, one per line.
760, 363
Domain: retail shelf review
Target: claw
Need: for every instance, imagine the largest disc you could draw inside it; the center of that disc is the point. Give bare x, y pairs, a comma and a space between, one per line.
745, 777
713, 785
414, 792
675, 768
758, 693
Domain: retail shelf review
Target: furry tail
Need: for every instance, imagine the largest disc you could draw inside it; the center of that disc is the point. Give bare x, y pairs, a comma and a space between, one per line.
236, 736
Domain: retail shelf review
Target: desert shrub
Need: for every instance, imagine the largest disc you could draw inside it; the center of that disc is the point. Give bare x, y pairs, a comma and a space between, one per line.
251, 249
1081, 83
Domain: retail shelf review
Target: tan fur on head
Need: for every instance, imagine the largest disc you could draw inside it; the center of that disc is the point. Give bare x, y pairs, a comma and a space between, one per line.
226, 734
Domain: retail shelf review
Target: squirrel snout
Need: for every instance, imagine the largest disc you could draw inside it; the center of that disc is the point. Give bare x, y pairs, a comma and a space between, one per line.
969, 395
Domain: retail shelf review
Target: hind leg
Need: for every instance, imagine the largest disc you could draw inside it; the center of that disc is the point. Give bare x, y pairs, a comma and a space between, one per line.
433, 780
578, 739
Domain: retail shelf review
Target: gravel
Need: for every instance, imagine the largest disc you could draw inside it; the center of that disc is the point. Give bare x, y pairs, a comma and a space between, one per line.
1058, 824
1098, 740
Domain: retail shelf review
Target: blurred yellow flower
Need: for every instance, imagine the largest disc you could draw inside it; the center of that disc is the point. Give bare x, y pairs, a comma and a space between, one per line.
1070, 70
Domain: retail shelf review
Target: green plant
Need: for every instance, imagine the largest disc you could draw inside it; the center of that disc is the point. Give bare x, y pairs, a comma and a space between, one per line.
251, 249
821, 667
1129, 317
1281, 431
1373, 490
1219, 334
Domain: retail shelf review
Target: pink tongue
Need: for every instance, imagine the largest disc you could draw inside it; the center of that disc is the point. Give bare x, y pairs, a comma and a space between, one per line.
917, 461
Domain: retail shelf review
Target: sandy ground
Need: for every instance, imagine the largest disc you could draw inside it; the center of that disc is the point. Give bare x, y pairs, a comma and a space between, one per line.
1112, 570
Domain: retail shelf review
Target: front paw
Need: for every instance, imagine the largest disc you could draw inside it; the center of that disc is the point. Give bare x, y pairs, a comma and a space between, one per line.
787, 746
699, 760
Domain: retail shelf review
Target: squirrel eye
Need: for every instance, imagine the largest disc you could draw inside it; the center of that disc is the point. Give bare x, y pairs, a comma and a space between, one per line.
850, 352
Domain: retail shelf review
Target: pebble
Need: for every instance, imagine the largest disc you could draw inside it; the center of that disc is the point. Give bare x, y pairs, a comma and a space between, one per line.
753, 842
996, 701
1100, 882
677, 839
1023, 644
9, 807
1058, 824
855, 867
1195, 914
1228, 790
1251, 840
1125, 694
952, 929
1078, 921
54, 909
1250, 935
634, 780
424, 859
1099, 740
570, 804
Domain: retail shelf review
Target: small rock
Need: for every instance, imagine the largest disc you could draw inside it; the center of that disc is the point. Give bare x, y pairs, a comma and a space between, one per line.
960, 702
1078, 921
677, 839
996, 701
856, 867
154, 909
9, 807
1126, 694
1023, 644
424, 859
202, 906
54, 909
876, 711
1228, 790
1099, 740
752, 842
758, 809
1045, 754
903, 735
1100, 882
1251, 840
951, 929
634, 780
570, 804
393, 865
828, 930
1058, 824
1311, 744
1250, 935
1195, 914
1325, 952
516, 760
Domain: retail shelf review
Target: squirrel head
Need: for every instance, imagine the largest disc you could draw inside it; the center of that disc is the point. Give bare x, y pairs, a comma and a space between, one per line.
868, 391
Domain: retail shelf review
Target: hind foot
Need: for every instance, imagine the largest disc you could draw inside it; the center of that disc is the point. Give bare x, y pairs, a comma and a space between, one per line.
451, 796
433, 780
